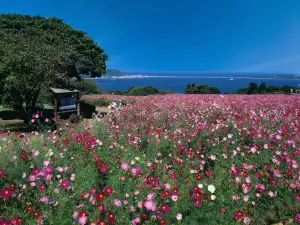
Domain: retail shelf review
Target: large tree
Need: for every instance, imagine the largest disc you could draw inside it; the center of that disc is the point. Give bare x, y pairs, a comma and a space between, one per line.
37, 53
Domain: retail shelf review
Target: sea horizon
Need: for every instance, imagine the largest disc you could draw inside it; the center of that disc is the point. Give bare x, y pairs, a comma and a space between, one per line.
176, 82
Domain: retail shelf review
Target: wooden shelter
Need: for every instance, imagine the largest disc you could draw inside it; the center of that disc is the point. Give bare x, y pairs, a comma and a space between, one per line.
65, 101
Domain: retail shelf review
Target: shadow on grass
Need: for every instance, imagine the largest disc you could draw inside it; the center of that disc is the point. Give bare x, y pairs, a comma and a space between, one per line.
12, 121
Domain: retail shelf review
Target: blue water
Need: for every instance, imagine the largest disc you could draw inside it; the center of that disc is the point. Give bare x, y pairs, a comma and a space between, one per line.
177, 82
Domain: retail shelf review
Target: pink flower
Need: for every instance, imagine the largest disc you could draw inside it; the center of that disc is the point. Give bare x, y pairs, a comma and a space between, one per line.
46, 163
132, 209
124, 165
60, 169
235, 197
48, 177
150, 196
167, 185
44, 199
32, 177
150, 205
174, 198
75, 215
278, 137
179, 216
253, 149
82, 220
36, 153
117, 202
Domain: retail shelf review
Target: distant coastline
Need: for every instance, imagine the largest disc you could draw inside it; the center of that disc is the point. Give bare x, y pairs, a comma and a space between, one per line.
129, 76
117, 74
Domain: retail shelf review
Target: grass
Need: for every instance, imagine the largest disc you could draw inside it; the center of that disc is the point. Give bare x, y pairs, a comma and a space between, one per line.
2, 108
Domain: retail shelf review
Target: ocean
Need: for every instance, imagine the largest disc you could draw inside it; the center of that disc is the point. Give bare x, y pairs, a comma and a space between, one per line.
226, 82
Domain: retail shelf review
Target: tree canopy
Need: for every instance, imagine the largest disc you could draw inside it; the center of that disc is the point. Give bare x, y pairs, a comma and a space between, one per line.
201, 89
253, 88
38, 52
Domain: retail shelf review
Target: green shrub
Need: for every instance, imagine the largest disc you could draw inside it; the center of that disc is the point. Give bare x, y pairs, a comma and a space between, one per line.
74, 118
87, 109
143, 91
86, 86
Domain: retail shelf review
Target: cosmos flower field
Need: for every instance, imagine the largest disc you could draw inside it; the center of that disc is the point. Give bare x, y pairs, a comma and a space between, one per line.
172, 159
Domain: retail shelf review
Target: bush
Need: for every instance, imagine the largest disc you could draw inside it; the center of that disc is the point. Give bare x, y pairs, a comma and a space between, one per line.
87, 109
100, 102
165, 92
201, 89
116, 92
143, 91
86, 86
74, 118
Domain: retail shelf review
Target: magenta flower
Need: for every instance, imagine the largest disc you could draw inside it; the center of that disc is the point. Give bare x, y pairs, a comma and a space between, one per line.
65, 184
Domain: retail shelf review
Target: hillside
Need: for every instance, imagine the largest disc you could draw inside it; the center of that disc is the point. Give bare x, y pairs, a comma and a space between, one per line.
114, 72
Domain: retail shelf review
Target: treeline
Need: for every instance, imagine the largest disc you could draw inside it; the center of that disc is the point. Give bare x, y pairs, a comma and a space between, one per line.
201, 89
253, 88
141, 91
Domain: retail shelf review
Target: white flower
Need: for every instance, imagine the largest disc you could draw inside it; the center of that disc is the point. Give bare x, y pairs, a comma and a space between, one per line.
200, 185
213, 197
192, 171
137, 158
211, 188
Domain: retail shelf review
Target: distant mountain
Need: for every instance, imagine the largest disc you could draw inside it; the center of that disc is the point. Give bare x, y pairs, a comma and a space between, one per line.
114, 72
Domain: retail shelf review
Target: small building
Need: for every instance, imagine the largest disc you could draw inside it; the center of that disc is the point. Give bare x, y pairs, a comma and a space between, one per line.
65, 101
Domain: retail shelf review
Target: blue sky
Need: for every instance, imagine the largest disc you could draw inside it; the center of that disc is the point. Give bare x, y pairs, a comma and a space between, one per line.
183, 35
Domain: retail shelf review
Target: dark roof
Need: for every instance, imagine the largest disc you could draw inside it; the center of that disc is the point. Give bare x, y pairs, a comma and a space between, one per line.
62, 91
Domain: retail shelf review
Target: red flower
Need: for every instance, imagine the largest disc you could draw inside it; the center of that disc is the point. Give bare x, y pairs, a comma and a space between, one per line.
82, 213
30, 209
196, 189
37, 214
109, 190
42, 187
100, 196
223, 211
101, 222
111, 218
162, 222
6, 193
36, 171
239, 215
4, 222
165, 208
198, 202
101, 208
